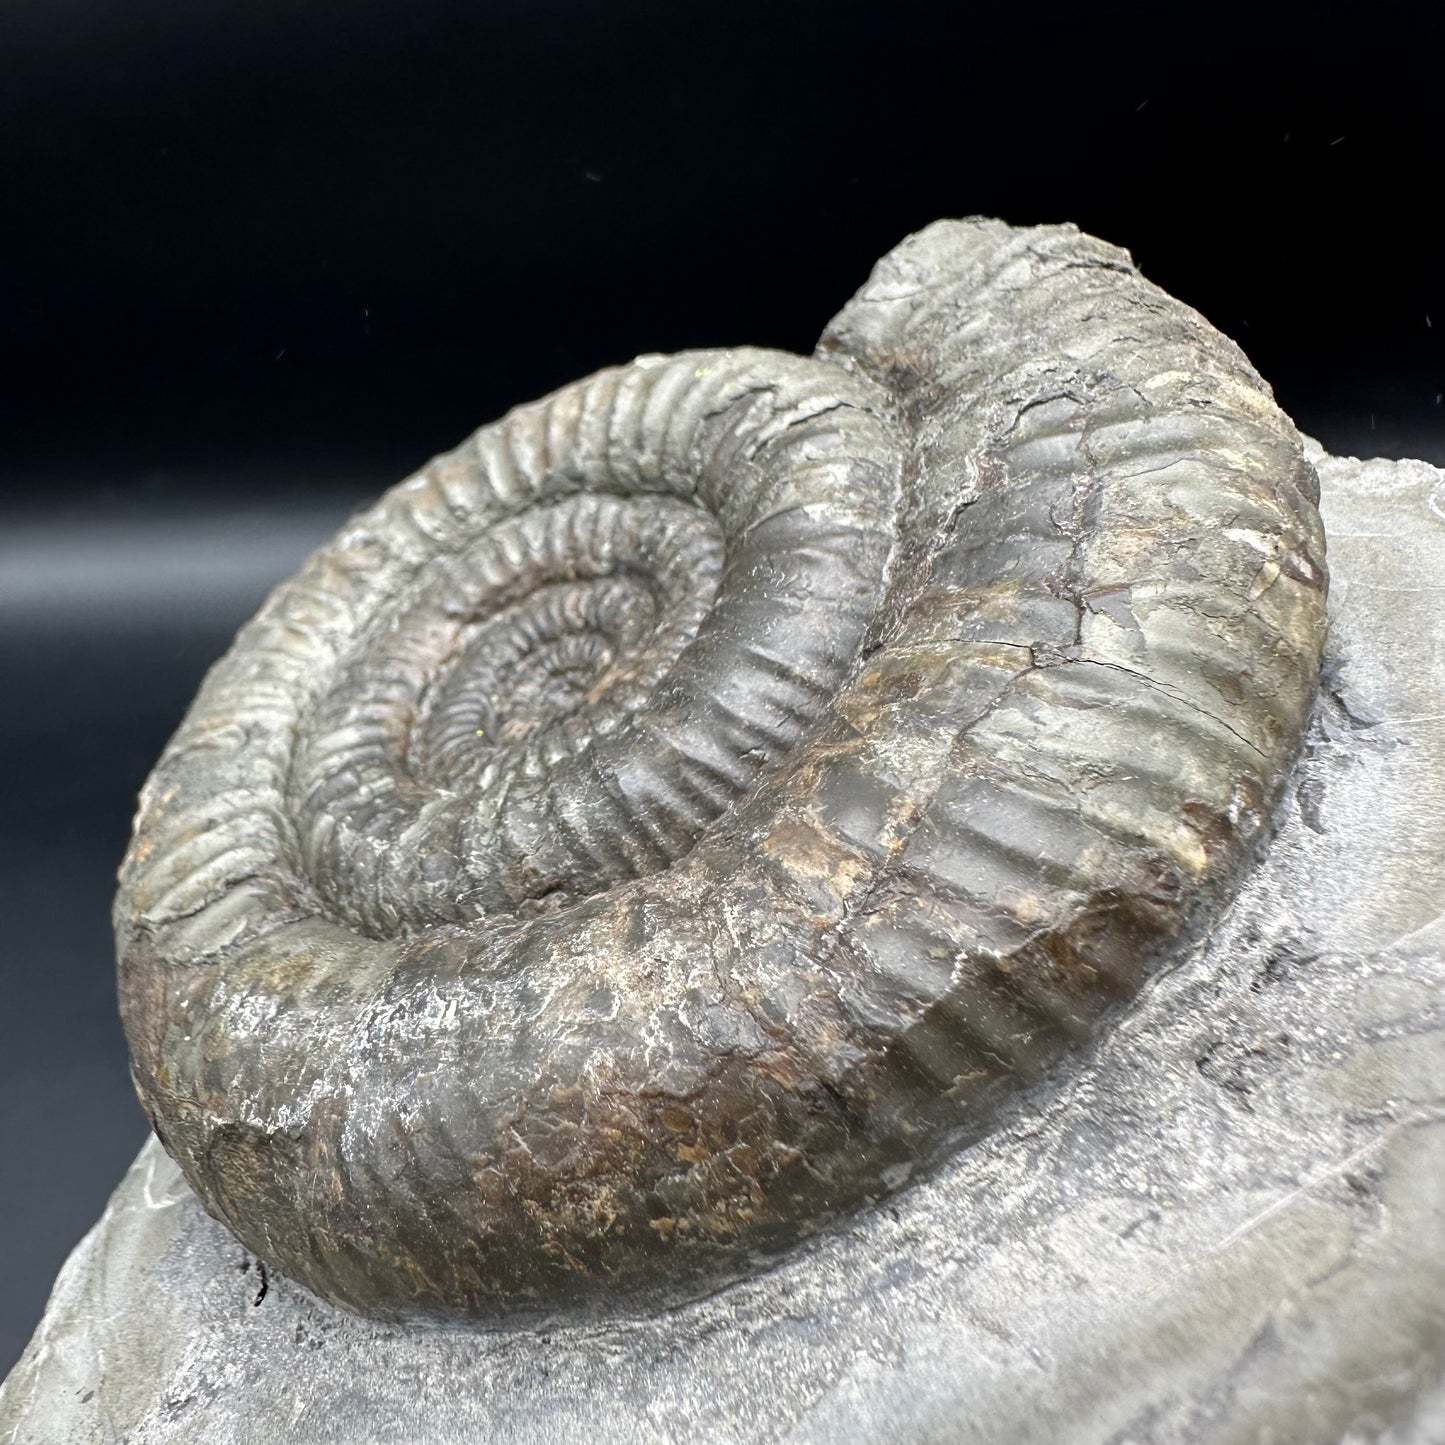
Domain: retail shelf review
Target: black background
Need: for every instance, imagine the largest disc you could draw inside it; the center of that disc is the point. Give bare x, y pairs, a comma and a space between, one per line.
259, 260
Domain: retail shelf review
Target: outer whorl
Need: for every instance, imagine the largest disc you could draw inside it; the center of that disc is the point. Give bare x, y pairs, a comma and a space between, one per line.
680, 812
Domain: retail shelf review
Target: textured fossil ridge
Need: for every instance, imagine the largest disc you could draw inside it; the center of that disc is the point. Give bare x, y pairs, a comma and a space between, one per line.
669, 820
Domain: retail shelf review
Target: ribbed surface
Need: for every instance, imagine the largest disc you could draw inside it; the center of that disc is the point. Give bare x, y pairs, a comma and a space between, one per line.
647, 833
1116, 500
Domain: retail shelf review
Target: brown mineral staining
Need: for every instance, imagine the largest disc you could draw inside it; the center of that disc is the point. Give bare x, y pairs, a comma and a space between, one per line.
817, 864
677, 1121
659, 826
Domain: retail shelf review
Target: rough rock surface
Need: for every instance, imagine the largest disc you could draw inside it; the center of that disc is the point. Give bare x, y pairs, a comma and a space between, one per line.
1226, 1223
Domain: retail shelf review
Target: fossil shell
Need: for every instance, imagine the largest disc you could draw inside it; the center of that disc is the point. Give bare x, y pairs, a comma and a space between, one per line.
675, 816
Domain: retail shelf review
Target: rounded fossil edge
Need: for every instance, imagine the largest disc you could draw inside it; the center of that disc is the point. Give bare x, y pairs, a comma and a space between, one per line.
1082, 673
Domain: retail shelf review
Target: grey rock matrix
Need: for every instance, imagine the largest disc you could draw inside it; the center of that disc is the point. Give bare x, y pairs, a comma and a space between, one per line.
1226, 1225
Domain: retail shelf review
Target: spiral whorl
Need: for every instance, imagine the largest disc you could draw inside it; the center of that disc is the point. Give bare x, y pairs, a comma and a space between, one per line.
673, 816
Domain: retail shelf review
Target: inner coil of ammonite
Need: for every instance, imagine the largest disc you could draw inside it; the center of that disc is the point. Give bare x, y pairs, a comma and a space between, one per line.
678, 815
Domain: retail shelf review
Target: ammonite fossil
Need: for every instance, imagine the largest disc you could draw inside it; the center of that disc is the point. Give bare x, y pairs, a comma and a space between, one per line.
677, 815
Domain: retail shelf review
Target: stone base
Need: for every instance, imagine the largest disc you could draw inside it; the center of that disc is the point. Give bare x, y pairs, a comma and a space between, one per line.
1226, 1223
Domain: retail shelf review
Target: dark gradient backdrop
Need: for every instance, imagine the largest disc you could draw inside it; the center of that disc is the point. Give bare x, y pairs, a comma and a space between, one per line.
259, 259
